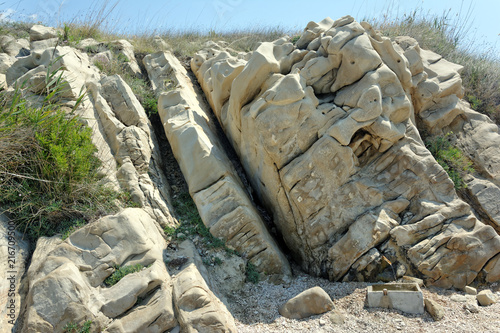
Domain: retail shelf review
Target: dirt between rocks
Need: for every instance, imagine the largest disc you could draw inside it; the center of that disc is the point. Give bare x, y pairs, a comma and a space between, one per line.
255, 309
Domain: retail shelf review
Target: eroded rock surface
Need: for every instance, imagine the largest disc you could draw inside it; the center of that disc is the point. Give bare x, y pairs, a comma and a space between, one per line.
326, 131
222, 201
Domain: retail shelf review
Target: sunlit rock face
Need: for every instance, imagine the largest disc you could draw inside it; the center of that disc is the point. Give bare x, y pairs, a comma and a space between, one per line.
326, 132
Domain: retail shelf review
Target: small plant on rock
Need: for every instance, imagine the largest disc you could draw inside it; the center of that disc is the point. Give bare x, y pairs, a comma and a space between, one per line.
452, 159
121, 272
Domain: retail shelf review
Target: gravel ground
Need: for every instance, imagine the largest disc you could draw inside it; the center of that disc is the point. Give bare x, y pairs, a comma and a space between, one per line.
255, 309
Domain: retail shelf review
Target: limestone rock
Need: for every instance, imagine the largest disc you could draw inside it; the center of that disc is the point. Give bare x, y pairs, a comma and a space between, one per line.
199, 310
337, 317
326, 132
470, 290
40, 32
41, 45
435, 309
471, 307
33, 70
127, 145
310, 302
214, 184
13, 47
13, 255
486, 297
65, 278
412, 279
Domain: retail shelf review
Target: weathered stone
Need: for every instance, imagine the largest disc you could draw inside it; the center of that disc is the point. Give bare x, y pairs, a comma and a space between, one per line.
412, 279
13, 47
470, 290
41, 45
458, 298
310, 302
40, 32
199, 310
127, 145
435, 309
33, 69
65, 278
325, 130
337, 317
214, 184
486, 297
471, 307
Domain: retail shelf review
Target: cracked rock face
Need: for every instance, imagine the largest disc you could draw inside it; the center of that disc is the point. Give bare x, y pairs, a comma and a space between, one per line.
326, 131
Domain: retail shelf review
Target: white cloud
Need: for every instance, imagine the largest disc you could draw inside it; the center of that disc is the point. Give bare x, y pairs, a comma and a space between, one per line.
6, 14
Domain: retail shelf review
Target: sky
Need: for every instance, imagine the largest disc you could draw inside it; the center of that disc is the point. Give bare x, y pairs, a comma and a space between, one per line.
133, 16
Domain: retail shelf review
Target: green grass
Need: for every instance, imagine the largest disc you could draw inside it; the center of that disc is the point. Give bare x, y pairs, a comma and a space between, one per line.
453, 161
121, 272
191, 224
72, 327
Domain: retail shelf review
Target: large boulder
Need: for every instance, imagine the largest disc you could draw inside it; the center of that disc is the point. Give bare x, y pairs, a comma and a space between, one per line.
66, 277
326, 131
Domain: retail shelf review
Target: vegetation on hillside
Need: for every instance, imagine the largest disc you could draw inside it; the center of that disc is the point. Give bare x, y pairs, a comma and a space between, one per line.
49, 179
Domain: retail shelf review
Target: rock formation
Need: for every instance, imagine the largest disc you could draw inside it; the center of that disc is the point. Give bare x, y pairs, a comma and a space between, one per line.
326, 131
224, 206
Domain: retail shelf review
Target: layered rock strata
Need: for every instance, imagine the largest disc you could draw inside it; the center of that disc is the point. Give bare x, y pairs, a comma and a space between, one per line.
437, 92
222, 201
326, 130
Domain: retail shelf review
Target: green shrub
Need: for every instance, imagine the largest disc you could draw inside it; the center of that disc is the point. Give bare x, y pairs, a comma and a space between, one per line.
453, 161
252, 275
121, 272
49, 176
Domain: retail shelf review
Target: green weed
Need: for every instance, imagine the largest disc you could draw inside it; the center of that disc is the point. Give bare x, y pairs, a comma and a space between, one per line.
121, 272
252, 275
72, 327
453, 161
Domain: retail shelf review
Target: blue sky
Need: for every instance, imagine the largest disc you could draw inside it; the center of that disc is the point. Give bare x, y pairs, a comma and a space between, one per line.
222, 15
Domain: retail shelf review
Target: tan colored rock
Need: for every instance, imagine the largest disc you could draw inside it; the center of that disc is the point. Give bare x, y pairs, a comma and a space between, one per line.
124, 52
41, 45
435, 309
412, 279
486, 297
154, 314
326, 132
214, 184
13, 47
470, 290
471, 307
65, 278
14, 251
199, 310
40, 32
33, 69
127, 145
310, 302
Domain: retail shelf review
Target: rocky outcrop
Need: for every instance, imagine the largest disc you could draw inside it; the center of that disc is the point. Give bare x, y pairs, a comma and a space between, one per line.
222, 201
439, 109
326, 131
66, 282
66, 278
